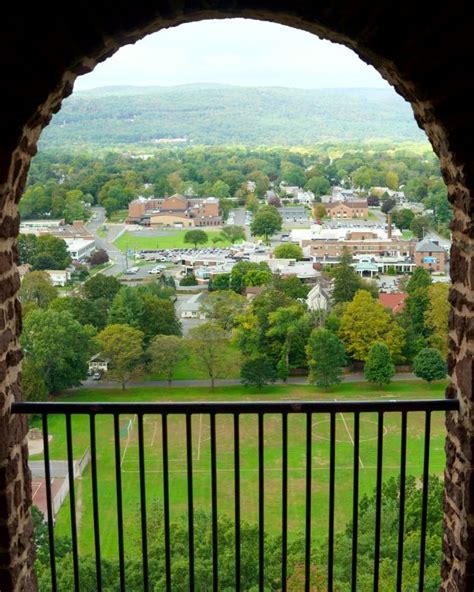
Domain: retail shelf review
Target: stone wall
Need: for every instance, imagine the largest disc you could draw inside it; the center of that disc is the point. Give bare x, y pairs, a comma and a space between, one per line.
426, 53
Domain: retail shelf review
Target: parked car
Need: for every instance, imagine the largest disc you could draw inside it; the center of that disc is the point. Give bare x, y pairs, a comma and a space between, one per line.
96, 376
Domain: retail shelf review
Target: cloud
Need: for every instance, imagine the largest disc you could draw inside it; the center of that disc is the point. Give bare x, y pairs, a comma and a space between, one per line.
234, 51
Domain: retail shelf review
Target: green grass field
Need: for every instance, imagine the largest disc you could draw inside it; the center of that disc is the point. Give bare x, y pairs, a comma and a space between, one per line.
173, 240
248, 457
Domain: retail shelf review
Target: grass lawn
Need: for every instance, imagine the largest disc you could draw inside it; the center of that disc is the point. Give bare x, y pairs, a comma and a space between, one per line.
173, 240
118, 216
248, 457
191, 368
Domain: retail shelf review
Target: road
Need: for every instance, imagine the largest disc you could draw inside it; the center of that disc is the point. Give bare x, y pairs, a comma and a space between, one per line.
115, 255
99, 384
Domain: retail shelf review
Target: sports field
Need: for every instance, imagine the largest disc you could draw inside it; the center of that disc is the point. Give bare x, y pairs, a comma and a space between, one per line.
129, 455
172, 240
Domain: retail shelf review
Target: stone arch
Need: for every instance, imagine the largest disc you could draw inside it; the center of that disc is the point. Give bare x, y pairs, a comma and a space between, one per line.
426, 57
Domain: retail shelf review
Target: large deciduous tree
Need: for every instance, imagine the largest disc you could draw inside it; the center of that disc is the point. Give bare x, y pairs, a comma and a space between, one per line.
123, 346
101, 286
436, 317
208, 343
257, 371
166, 352
346, 280
37, 288
366, 322
57, 346
266, 222
288, 251
223, 306
326, 358
196, 237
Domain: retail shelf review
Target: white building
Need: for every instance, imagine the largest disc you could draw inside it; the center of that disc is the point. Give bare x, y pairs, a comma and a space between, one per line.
98, 363
317, 299
190, 308
316, 232
79, 248
59, 277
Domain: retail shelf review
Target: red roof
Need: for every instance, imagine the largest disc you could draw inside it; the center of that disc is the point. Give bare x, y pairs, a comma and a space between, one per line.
396, 302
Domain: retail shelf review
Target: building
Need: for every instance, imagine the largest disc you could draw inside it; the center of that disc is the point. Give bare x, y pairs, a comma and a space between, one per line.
176, 210
99, 363
80, 248
318, 298
348, 209
59, 277
431, 256
394, 301
189, 309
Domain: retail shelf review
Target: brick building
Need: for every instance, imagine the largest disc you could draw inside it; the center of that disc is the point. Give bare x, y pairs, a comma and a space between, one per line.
348, 209
175, 210
430, 256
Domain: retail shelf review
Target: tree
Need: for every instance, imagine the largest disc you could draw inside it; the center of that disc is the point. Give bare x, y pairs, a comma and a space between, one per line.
420, 225
57, 346
86, 312
379, 367
318, 185
223, 306
266, 222
33, 385
403, 218
99, 257
366, 322
429, 365
319, 211
436, 317
123, 346
188, 280
257, 371
127, 308
234, 233
326, 358
101, 286
26, 245
388, 204
288, 251
247, 273
51, 253
346, 280
196, 237
37, 287
158, 316
221, 281
166, 352
291, 286
208, 343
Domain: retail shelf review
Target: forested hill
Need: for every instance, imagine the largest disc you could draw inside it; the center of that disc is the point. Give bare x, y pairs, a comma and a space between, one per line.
215, 114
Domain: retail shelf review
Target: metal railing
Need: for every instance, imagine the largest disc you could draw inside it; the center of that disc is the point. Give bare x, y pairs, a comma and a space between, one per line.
331, 411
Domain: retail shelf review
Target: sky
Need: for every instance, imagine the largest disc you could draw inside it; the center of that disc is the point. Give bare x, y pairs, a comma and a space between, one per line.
234, 51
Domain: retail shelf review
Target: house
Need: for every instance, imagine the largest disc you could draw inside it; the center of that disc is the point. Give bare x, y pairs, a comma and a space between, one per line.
23, 270
191, 307
348, 209
431, 256
99, 363
318, 298
59, 277
395, 301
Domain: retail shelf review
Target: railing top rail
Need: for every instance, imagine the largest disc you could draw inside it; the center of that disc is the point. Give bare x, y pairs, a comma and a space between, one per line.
236, 407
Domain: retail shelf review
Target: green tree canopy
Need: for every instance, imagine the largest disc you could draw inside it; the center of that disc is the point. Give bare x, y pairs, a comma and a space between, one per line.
346, 280
123, 346
166, 352
223, 306
208, 343
101, 286
257, 371
196, 237
379, 367
57, 346
266, 222
429, 365
37, 287
288, 251
51, 253
436, 317
326, 358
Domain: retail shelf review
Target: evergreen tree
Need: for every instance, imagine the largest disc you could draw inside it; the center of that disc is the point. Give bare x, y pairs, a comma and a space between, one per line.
346, 280
326, 358
257, 371
379, 367
429, 365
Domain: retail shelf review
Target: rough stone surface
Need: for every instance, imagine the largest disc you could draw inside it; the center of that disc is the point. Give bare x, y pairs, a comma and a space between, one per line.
426, 53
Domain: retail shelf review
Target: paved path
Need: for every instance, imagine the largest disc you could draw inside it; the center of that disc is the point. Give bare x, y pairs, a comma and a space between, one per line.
356, 377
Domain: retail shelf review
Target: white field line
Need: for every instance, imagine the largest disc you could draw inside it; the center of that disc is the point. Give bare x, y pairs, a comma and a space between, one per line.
128, 441
198, 455
154, 434
290, 469
350, 436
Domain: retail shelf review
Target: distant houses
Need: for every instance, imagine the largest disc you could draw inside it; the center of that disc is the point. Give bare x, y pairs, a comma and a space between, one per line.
176, 210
